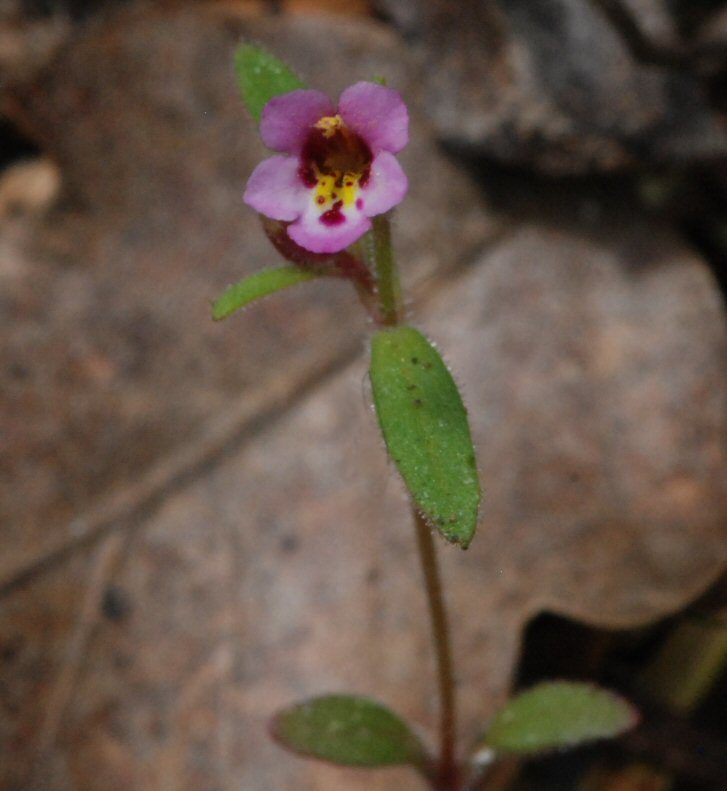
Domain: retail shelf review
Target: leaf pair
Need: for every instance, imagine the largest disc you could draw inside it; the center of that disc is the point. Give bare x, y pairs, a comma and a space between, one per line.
355, 731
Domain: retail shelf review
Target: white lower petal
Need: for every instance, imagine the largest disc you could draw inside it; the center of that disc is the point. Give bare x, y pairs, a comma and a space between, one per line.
317, 233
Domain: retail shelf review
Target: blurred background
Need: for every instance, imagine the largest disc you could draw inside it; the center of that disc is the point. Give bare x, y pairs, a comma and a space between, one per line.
197, 521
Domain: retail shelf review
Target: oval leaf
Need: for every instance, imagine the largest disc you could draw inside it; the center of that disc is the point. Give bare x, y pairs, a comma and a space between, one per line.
425, 427
256, 286
348, 730
261, 76
558, 714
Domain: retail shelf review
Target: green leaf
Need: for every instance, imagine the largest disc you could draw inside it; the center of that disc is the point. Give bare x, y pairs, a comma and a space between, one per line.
256, 286
348, 730
262, 76
558, 714
426, 431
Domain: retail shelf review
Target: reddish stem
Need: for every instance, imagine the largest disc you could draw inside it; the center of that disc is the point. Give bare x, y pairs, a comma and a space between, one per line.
342, 264
448, 775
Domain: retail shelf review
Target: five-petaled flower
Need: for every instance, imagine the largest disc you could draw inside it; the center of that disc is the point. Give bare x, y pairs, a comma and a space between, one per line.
338, 168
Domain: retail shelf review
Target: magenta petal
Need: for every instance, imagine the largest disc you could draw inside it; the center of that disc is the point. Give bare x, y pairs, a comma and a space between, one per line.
311, 233
376, 113
276, 190
386, 187
287, 119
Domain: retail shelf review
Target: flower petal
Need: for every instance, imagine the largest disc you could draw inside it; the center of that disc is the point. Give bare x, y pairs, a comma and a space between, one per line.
377, 114
276, 190
312, 233
286, 119
386, 187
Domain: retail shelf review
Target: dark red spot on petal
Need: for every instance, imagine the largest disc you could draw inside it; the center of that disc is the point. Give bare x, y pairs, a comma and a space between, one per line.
334, 216
365, 176
307, 175
359, 203
320, 200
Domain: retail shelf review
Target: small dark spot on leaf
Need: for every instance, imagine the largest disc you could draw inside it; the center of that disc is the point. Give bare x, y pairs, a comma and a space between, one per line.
415, 360
411, 386
418, 402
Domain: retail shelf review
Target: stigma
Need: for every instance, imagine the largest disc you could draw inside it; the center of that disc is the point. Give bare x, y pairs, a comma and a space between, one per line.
329, 125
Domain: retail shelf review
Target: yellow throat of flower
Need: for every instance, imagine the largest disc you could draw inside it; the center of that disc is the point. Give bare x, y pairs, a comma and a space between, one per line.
338, 186
336, 165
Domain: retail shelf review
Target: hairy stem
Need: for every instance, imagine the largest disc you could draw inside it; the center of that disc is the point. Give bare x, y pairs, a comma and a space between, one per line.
447, 770
387, 274
445, 776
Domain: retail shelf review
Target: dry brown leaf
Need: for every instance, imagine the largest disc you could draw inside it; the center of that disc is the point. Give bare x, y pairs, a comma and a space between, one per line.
273, 558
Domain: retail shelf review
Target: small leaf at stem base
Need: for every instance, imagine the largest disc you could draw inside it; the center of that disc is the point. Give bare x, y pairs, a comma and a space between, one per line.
558, 714
425, 427
348, 730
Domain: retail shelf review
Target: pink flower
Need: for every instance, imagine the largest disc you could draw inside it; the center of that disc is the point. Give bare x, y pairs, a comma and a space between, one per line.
338, 167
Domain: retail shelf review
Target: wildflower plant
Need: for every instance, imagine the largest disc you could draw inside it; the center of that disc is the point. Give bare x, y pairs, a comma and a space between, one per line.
324, 198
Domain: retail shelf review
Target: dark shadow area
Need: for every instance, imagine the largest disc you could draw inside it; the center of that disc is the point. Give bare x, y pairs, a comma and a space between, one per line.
75, 9
14, 146
677, 748
693, 202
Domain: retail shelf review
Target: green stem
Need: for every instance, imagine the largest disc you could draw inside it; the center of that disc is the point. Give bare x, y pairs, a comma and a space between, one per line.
378, 251
447, 770
387, 274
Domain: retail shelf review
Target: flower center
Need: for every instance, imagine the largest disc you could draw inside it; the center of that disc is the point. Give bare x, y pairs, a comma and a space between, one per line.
335, 163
